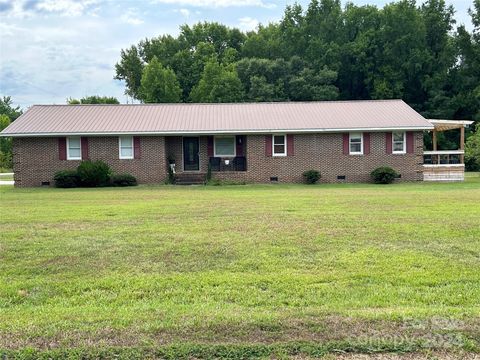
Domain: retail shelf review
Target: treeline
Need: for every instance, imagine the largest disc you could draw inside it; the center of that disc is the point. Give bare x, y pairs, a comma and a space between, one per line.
8, 113
323, 52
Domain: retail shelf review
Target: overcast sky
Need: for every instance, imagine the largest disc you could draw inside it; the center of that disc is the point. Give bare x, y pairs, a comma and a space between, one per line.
54, 49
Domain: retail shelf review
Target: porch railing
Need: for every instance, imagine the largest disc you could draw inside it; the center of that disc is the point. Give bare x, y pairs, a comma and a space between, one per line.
443, 157
238, 163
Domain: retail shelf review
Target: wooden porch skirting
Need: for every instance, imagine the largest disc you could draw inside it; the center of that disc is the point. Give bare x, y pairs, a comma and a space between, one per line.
454, 172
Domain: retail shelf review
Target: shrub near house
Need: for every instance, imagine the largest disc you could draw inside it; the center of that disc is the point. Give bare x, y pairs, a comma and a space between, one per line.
92, 174
384, 175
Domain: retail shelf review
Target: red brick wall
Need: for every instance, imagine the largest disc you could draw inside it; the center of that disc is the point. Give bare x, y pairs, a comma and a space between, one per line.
324, 152
36, 159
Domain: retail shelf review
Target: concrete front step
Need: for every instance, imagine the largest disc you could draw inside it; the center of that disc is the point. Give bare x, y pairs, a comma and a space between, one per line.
190, 179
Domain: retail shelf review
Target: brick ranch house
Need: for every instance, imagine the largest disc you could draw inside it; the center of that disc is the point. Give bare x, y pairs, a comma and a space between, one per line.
250, 142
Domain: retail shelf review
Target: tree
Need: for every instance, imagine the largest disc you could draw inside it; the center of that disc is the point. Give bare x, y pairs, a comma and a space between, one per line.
5, 144
324, 51
159, 84
129, 69
8, 113
472, 151
263, 79
6, 108
311, 85
260, 89
219, 83
94, 99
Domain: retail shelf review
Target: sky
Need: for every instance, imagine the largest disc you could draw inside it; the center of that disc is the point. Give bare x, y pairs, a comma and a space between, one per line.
51, 50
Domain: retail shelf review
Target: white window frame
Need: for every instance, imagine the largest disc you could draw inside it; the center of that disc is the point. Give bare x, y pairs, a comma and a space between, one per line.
284, 143
404, 150
69, 157
350, 143
225, 137
120, 148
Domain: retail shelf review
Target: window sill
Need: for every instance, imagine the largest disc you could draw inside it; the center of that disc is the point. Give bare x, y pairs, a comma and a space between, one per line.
279, 155
356, 154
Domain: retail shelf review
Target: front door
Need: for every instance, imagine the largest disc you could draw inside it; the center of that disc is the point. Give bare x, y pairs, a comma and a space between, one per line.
191, 160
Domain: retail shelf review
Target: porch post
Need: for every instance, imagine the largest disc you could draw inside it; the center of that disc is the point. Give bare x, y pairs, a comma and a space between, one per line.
434, 143
462, 143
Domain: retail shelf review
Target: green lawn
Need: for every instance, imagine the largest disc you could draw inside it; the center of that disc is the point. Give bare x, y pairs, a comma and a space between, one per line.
240, 270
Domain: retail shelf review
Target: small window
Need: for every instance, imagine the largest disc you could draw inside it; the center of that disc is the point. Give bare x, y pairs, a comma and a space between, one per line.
398, 143
356, 143
224, 145
125, 144
74, 148
279, 145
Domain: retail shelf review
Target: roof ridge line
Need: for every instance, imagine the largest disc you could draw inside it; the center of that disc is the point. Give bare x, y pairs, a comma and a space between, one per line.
230, 103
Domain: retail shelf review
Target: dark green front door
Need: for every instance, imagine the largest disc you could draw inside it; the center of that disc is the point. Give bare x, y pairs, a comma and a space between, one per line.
191, 160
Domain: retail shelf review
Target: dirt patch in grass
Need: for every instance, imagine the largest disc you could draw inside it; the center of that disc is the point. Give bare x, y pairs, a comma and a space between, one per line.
372, 334
411, 356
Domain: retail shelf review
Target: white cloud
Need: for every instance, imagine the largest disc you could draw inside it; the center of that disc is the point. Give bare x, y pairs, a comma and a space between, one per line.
131, 17
68, 8
217, 3
9, 30
247, 23
184, 12
65, 7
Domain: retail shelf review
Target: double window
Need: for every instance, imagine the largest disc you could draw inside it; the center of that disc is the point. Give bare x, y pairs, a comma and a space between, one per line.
125, 147
356, 143
224, 146
279, 144
398, 143
74, 148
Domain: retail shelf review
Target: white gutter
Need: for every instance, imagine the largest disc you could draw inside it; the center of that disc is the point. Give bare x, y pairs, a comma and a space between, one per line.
217, 132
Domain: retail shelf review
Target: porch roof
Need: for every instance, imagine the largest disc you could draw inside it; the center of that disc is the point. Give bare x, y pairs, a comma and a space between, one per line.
443, 125
242, 118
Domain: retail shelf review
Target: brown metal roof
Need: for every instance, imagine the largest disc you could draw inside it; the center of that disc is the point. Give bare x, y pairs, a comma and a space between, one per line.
169, 119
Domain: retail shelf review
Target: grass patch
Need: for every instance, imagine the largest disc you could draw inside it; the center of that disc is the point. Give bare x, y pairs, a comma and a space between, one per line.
257, 267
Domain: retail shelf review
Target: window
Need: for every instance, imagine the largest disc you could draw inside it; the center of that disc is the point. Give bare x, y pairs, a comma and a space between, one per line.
125, 145
398, 143
224, 145
356, 143
279, 145
74, 148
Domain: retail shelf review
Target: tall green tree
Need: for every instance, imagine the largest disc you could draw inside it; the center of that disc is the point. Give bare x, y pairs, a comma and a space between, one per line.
94, 99
405, 49
7, 108
130, 69
8, 113
311, 85
219, 83
5, 145
465, 76
472, 151
159, 84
